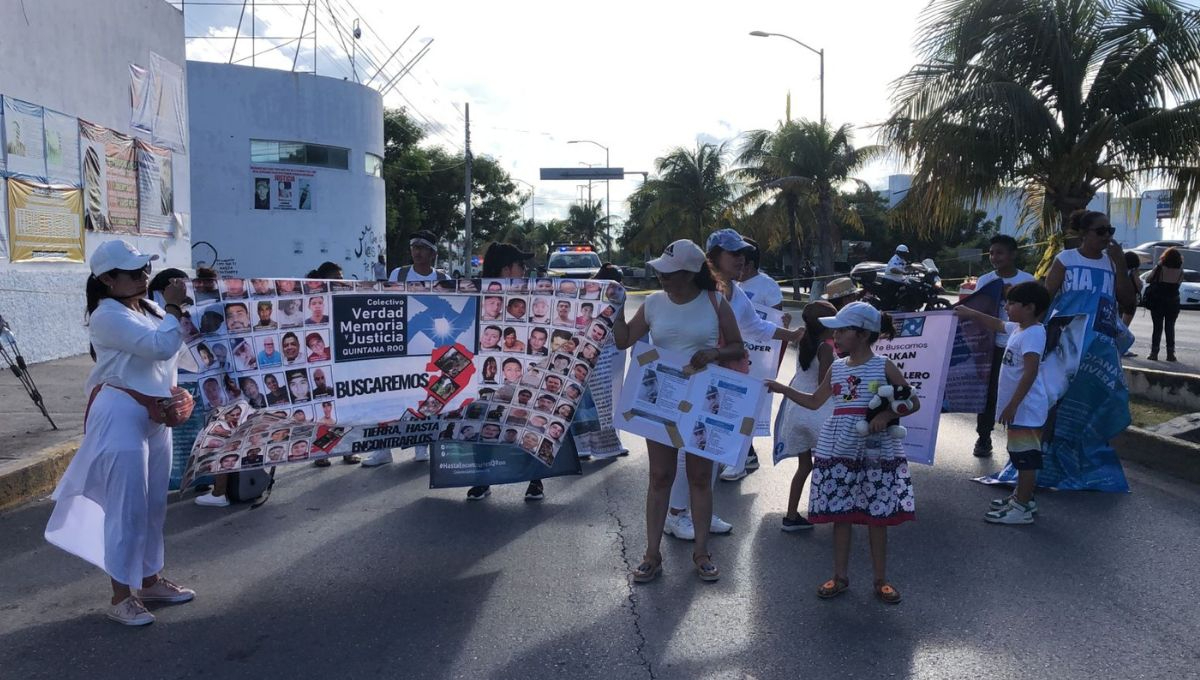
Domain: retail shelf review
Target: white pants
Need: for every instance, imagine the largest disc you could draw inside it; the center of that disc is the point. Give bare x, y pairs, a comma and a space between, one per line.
112, 501
680, 497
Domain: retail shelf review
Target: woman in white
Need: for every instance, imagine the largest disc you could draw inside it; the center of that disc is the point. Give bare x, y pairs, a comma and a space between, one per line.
112, 500
687, 316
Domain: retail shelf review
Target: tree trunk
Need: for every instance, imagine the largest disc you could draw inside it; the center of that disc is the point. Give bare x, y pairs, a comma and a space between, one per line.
794, 242
824, 236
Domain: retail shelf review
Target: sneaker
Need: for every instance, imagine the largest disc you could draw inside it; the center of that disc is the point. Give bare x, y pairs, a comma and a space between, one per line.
1001, 503
351, 459
322, 462
680, 526
798, 524
377, 458
535, 492
210, 501
478, 493
166, 591
130, 612
421, 453
719, 526
732, 474
1013, 513
752, 462
983, 447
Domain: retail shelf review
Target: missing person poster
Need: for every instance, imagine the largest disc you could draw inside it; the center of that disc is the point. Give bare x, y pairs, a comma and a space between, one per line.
919, 351
45, 223
282, 188
109, 179
971, 354
62, 148
156, 197
23, 139
708, 413
301, 369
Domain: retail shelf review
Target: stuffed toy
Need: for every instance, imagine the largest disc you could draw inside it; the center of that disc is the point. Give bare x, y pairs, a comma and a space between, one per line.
894, 398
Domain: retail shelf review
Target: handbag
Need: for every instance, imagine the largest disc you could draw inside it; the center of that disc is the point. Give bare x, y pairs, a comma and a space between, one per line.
171, 411
1150, 292
741, 365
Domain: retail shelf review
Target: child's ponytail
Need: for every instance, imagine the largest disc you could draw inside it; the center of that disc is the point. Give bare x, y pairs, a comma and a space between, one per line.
887, 329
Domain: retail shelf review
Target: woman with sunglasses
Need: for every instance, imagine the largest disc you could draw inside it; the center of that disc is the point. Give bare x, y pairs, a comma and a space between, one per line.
1096, 268
112, 500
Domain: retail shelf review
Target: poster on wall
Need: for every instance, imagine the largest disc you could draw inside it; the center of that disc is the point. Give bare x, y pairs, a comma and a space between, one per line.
109, 179
45, 223
141, 118
156, 202
3, 217
62, 148
23, 138
170, 104
282, 189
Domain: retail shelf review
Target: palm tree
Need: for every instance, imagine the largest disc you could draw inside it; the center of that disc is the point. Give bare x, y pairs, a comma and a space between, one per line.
584, 221
793, 175
1054, 97
687, 196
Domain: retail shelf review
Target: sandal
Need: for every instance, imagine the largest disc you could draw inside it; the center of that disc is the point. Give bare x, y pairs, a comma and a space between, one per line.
706, 569
886, 593
648, 570
833, 587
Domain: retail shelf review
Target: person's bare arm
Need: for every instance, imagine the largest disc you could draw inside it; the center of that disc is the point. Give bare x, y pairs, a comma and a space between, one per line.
985, 320
1126, 295
809, 401
626, 334
1054, 278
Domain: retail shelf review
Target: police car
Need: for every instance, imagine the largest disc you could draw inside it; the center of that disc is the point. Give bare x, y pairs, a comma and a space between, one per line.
572, 261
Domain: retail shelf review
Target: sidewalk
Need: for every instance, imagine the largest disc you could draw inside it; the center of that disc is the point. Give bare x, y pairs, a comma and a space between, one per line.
32, 455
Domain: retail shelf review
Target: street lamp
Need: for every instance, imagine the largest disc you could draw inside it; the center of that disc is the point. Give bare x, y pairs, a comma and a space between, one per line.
532, 199
820, 53
607, 199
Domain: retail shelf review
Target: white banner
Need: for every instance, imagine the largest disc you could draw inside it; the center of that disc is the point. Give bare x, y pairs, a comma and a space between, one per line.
764, 364
921, 351
62, 148
23, 138
156, 196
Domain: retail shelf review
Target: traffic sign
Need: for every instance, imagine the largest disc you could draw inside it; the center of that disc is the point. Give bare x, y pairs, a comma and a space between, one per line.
583, 173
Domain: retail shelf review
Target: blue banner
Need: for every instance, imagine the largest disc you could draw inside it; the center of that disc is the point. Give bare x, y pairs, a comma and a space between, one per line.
971, 354
456, 464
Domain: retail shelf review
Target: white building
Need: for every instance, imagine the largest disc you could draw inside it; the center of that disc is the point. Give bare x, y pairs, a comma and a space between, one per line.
78, 59
286, 171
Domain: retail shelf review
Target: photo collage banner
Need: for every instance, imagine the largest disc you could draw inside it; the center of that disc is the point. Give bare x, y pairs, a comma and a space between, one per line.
295, 370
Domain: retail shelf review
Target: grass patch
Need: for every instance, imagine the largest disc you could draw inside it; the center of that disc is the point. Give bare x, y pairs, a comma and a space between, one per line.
1148, 413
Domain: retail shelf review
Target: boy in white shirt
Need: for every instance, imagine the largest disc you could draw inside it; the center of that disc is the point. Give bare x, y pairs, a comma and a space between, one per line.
1021, 390
1003, 255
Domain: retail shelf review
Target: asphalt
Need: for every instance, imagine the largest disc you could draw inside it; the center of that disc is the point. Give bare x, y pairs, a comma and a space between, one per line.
348, 572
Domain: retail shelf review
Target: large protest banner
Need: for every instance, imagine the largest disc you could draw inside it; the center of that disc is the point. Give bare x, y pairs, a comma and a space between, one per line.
593, 429
23, 140
708, 413
45, 223
764, 365
971, 354
298, 370
109, 179
156, 196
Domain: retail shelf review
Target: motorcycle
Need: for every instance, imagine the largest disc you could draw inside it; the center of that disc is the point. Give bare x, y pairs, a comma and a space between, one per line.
921, 289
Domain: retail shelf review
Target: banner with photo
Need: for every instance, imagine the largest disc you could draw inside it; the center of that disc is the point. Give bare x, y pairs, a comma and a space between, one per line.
458, 464
45, 223
971, 354
62, 148
156, 196
109, 179
301, 369
764, 364
708, 413
593, 429
282, 188
23, 139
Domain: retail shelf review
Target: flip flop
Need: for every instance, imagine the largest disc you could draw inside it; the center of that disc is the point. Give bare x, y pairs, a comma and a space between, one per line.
886, 593
833, 587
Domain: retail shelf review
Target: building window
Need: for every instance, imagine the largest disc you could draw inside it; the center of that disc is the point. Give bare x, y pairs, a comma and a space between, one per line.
374, 165
299, 153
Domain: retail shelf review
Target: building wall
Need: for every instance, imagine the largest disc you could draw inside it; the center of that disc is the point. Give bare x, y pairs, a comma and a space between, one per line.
228, 106
73, 56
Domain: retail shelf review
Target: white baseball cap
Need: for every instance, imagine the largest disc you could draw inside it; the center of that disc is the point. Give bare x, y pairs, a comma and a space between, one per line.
901, 248
854, 315
680, 255
117, 254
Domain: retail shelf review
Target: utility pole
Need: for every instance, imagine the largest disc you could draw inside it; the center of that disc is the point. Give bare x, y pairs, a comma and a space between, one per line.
468, 251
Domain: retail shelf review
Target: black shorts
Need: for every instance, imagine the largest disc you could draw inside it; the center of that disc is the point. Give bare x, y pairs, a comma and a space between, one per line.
1025, 447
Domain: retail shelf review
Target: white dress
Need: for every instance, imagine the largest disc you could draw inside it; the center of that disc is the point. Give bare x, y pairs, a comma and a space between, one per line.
799, 427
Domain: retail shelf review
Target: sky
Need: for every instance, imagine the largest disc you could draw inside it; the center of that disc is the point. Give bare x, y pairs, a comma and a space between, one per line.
637, 77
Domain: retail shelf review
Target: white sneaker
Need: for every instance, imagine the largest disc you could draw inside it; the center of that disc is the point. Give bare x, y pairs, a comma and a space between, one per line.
719, 526
210, 501
680, 526
752, 462
421, 453
731, 474
377, 458
130, 612
1013, 513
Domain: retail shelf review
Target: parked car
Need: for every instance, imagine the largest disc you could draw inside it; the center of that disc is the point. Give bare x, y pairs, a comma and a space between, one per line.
1145, 251
1189, 290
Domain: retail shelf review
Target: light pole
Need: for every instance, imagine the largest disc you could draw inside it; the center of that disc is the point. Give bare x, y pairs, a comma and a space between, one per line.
820, 53
607, 200
532, 199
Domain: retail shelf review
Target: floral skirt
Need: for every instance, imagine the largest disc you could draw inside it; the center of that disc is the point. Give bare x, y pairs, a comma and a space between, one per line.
871, 490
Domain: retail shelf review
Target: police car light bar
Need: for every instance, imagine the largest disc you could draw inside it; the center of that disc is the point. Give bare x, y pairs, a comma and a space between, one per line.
575, 249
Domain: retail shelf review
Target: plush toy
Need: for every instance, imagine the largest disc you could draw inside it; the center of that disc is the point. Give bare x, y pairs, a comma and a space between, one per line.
894, 398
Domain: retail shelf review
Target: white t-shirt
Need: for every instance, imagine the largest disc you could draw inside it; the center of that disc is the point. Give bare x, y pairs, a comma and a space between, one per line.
762, 290
133, 349
413, 275
1019, 277
1035, 406
896, 262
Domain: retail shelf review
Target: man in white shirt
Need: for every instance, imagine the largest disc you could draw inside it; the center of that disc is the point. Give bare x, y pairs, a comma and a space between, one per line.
760, 288
1003, 256
897, 267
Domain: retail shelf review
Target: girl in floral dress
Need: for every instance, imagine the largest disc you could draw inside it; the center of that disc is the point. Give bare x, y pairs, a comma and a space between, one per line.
857, 479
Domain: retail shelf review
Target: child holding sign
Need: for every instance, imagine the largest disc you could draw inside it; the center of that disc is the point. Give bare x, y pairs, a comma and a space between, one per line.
857, 479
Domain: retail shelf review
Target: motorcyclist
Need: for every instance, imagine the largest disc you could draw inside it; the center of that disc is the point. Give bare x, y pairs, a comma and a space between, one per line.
894, 276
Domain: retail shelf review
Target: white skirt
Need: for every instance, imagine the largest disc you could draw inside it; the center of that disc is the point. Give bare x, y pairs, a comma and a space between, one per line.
111, 503
799, 427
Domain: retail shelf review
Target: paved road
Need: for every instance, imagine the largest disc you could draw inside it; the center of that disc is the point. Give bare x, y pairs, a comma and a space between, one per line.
360, 573
1187, 342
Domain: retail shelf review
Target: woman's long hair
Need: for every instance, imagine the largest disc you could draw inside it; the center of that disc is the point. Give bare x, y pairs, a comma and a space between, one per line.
96, 291
813, 330
712, 255
705, 279
1171, 258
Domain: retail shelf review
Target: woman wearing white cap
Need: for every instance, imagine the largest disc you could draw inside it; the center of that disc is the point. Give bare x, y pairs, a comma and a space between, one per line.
112, 500
687, 316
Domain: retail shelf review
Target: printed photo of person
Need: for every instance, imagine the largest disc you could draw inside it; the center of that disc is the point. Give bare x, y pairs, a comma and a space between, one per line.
232, 391
468, 285
286, 287
589, 354
252, 458
327, 416
229, 462
598, 332
447, 432
279, 435
289, 344
366, 285
538, 423
447, 286
561, 364
555, 430
699, 436
543, 286
553, 384
299, 451
475, 411
302, 432
214, 395
580, 372
512, 339
264, 309
275, 454
235, 289
212, 321
220, 355
533, 376
275, 392
490, 433
262, 193
489, 370
540, 309
318, 347
509, 436
544, 403
418, 286
188, 326
492, 309
489, 339
517, 416
573, 391
585, 314
569, 345
511, 370
393, 286
564, 314
538, 338
205, 360
648, 392
243, 355
485, 394
493, 286
515, 309
301, 416
212, 443
614, 293
321, 386
557, 339
237, 317
315, 286
523, 397
220, 429
262, 287
496, 413
316, 311
291, 313
268, 355
712, 400
591, 290
567, 288
520, 285
343, 286
504, 393
298, 386
565, 411
607, 312
545, 452
467, 432
530, 441
205, 290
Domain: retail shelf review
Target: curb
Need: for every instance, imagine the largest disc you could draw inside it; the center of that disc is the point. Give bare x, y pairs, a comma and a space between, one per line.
37, 475
1163, 386
1177, 458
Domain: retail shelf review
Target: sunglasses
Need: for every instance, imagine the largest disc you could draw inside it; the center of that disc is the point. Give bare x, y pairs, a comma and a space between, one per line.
144, 272
1104, 231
